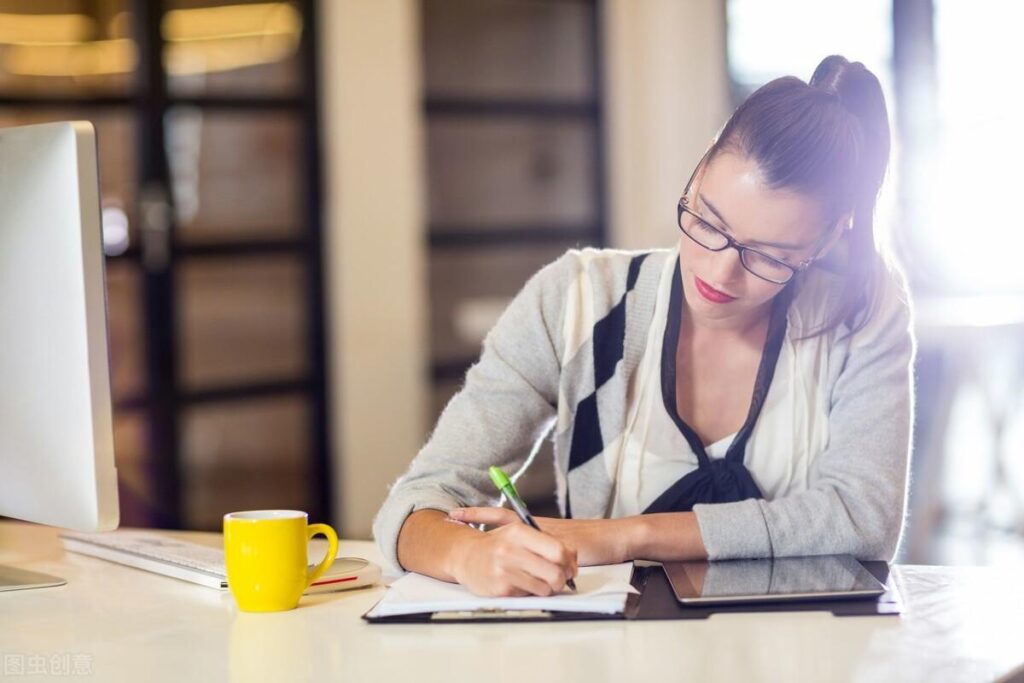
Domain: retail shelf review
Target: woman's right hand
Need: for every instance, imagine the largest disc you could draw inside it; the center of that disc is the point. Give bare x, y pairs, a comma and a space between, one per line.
513, 560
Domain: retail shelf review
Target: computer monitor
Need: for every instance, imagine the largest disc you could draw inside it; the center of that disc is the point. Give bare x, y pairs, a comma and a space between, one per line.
56, 434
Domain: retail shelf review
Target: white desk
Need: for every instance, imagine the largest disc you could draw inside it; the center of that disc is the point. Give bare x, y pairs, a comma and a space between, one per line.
122, 624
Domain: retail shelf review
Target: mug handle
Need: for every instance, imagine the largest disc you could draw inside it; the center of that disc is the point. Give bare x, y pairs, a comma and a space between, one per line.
332, 550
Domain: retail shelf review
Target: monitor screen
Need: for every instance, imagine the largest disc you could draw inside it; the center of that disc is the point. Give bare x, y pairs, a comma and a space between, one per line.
56, 436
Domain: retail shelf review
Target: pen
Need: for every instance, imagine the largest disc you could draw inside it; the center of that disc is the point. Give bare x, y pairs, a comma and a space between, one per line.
506, 487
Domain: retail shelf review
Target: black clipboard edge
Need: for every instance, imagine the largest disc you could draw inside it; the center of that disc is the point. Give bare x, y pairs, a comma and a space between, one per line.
656, 601
491, 618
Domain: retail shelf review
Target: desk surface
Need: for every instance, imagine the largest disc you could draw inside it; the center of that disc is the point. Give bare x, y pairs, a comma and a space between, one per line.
118, 623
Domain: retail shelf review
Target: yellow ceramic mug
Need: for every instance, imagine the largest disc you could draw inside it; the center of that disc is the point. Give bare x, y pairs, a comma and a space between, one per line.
266, 553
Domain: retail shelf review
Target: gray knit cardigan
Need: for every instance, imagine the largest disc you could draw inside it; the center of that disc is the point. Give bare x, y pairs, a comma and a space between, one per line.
856, 497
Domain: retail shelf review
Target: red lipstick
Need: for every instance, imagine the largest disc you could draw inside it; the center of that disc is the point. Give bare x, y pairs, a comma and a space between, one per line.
710, 293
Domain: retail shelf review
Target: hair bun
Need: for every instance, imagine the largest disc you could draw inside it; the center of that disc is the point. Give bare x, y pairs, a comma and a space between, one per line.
860, 93
856, 87
831, 72
849, 81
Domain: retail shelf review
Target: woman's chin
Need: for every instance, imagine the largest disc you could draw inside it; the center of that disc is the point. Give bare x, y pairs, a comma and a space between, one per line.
735, 312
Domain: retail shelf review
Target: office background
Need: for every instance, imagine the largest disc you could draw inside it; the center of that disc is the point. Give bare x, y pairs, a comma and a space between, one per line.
314, 210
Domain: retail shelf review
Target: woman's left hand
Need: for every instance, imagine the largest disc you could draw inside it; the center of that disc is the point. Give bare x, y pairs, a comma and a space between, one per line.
597, 541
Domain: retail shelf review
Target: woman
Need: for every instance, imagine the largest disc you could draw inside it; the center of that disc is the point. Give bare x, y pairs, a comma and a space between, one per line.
745, 394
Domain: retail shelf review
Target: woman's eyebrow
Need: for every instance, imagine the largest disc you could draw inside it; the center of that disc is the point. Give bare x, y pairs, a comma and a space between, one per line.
777, 245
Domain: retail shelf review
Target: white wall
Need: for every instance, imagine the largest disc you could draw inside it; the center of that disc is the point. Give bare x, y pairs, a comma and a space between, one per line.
374, 247
666, 95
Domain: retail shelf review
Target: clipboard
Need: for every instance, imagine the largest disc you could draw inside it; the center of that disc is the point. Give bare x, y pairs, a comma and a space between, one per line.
656, 601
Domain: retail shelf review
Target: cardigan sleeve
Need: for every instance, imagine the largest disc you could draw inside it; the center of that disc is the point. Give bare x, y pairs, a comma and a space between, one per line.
856, 498
506, 406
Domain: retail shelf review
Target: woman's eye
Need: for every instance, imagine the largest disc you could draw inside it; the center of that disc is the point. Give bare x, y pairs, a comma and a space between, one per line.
721, 229
768, 255
762, 258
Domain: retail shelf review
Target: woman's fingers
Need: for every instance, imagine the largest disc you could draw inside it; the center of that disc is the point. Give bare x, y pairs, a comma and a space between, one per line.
549, 548
531, 584
551, 574
513, 559
543, 544
489, 516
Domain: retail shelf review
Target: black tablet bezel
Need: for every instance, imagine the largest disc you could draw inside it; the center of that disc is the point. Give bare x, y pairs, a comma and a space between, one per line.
679, 575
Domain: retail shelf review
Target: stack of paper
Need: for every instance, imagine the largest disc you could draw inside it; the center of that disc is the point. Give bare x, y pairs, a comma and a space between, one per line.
601, 590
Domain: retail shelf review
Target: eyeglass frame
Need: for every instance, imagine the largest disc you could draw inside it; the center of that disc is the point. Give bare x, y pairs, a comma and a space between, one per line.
684, 207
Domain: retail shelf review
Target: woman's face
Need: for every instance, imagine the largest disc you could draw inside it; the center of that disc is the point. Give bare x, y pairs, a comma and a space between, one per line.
730, 194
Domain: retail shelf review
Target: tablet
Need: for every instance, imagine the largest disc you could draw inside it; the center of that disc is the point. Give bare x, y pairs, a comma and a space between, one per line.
824, 577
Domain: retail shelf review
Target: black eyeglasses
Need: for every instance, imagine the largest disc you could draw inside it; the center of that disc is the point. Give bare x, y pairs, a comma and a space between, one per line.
755, 261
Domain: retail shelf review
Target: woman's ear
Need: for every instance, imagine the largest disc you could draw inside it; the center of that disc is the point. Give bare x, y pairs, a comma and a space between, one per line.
840, 227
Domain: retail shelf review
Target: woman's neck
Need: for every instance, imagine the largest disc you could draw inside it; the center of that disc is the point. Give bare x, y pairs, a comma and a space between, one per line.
752, 328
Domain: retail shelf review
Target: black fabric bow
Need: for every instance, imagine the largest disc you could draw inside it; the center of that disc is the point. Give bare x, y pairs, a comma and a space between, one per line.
721, 481
725, 480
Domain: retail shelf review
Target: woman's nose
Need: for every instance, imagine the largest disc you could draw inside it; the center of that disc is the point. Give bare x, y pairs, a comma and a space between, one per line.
726, 266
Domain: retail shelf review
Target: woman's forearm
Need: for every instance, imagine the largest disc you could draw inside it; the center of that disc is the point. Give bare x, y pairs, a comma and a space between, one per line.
429, 542
662, 537
666, 537
514, 559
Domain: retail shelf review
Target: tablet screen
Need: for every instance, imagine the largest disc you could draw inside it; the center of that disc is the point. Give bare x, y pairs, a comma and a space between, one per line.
783, 578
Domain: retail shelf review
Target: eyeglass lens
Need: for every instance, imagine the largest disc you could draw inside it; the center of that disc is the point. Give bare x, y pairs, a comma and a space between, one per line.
711, 238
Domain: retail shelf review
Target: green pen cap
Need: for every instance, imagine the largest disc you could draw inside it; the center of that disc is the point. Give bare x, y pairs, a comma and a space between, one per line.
499, 478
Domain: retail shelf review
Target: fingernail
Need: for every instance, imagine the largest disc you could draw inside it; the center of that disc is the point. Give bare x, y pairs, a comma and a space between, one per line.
456, 513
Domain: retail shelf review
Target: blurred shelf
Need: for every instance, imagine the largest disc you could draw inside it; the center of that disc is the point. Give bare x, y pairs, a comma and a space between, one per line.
245, 103
240, 248
532, 108
445, 236
234, 392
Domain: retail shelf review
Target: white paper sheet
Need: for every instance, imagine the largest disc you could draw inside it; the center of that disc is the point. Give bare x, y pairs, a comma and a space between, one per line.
601, 590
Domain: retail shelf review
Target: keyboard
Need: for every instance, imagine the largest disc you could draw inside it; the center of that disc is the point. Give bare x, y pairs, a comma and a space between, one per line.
160, 553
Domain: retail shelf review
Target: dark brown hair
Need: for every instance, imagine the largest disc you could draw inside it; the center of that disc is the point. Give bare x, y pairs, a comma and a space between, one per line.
828, 139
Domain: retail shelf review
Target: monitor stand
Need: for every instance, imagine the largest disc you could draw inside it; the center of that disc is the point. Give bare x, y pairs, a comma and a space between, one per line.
14, 579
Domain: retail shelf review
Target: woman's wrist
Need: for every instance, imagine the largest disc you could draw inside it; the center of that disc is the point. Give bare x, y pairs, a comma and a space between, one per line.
636, 537
669, 536
431, 544
454, 557
461, 544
